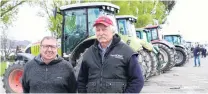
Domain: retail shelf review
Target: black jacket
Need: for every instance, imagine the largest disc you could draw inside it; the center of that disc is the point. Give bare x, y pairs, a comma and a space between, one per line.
117, 73
56, 77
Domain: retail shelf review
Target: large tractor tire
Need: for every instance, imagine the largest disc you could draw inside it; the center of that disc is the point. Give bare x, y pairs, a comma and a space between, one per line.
154, 64
166, 57
79, 63
12, 77
147, 63
181, 57
142, 65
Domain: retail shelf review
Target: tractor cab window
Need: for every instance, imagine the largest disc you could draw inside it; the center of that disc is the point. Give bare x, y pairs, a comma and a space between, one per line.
139, 35
74, 28
154, 34
176, 40
122, 27
144, 36
148, 34
93, 14
131, 29
169, 39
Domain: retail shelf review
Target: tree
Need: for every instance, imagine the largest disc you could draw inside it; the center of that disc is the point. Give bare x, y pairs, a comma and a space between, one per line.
9, 9
6, 43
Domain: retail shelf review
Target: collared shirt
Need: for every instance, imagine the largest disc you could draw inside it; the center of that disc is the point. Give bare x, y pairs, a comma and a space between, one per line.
103, 50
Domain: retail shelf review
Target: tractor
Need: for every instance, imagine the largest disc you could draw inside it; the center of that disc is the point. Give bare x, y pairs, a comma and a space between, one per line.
77, 35
181, 51
126, 28
145, 36
166, 49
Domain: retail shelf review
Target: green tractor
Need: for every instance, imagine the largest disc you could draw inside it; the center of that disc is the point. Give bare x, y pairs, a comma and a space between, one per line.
77, 35
182, 53
166, 49
126, 28
145, 36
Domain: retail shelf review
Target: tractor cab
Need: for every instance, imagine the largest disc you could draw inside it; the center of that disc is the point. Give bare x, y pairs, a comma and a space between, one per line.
127, 31
78, 20
126, 25
175, 39
153, 32
143, 34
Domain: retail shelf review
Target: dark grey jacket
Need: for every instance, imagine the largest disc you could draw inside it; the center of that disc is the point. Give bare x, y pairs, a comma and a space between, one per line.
116, 73
56, 77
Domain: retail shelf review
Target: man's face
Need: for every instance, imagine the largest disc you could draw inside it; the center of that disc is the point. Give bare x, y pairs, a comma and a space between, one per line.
48, 49
103, 33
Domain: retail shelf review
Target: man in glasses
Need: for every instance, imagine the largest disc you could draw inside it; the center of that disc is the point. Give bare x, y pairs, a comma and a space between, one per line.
48, 72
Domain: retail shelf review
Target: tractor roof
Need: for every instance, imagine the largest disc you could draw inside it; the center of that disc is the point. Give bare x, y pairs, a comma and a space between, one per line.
141, 29
90, 4
129, 17
152, 26
173, 35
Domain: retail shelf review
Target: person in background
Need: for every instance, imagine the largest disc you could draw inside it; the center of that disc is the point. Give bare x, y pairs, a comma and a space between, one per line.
196, 52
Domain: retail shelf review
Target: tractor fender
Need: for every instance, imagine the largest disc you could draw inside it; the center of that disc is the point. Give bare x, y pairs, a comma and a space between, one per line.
24, 56
81, 48
169, 45
180, 46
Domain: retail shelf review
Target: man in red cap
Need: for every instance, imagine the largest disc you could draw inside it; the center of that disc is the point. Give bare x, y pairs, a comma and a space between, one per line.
109, 66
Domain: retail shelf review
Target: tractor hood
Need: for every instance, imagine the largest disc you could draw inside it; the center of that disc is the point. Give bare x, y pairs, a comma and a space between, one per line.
164, 42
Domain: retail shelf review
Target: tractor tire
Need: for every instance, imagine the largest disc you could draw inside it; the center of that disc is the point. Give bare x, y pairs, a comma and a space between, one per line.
142, 65
166, 57
12, 77
181, 57
147, 60
154, 64
79, 63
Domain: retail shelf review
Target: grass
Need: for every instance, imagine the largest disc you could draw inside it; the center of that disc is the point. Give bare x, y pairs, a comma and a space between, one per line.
3, 66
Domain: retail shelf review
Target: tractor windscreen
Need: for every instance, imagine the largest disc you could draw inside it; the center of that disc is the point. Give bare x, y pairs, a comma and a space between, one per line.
139, 34
122, 27
78, 25
173, 39
148, 35
132, 29
154, 34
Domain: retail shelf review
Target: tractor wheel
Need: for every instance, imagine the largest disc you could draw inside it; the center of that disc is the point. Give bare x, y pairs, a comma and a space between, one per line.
154, 64
142, 65
79, 63
166, 57
181, 57
147, 60
12, 77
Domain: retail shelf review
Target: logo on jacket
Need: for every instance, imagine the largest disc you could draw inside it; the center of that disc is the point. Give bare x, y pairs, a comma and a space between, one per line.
117, 56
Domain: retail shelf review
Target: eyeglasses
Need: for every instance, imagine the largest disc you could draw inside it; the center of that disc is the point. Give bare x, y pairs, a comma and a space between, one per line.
53, 47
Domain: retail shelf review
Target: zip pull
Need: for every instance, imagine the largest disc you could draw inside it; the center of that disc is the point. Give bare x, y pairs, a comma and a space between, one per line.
46, 69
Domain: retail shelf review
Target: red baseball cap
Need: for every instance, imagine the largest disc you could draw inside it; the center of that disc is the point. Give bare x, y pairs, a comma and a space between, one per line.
103, 20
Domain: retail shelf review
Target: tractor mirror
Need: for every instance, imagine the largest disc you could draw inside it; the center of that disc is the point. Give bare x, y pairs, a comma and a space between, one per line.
54, 12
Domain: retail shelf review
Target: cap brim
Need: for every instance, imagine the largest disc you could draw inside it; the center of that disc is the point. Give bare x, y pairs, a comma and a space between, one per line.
106, 24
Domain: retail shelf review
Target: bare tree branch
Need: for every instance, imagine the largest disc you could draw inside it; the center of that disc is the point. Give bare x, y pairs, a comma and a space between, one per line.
2, 14
3, 2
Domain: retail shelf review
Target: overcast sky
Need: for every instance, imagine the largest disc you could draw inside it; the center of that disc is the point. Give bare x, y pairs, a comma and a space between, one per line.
188, 16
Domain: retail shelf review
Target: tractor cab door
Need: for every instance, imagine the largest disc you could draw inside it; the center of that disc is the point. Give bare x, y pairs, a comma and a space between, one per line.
74, 29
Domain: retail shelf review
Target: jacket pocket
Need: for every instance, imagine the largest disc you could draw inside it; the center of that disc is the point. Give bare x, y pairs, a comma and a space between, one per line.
115, 87
91, 87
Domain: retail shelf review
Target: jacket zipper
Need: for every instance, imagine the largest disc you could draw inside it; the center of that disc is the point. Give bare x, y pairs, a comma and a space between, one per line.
46, 75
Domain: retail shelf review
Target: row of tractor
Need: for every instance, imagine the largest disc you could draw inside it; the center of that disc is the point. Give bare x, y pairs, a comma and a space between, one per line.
157, 53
